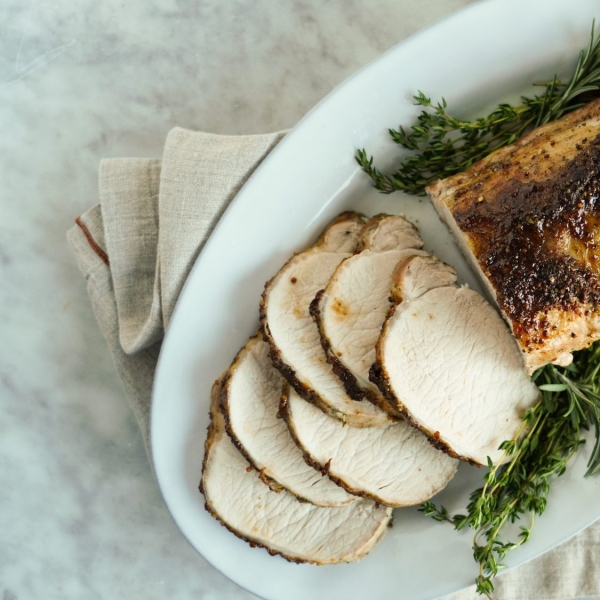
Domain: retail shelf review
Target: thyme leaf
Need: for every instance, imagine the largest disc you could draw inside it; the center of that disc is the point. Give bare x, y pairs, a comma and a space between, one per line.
443, 145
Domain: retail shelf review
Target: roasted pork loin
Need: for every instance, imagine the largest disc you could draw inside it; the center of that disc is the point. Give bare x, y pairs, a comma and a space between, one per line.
289, 329
448, 362
250, 394
394, 465
528, 218
298, 531
351, 310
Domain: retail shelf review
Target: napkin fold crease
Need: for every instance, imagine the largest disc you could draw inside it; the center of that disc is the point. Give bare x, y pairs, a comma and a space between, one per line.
136, 249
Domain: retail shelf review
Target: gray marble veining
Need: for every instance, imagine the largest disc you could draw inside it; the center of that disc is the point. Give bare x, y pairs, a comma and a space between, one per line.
80, 513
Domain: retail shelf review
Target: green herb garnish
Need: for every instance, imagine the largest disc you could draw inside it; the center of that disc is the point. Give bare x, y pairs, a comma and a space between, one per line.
443, 145
550, 436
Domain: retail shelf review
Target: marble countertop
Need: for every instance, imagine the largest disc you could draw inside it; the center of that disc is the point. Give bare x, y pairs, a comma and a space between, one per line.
81, 515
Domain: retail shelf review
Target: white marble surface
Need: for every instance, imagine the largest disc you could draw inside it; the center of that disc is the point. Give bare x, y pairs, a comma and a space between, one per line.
80, 513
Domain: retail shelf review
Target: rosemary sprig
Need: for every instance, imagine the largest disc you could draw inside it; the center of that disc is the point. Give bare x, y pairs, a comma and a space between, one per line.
549, 438
444, 145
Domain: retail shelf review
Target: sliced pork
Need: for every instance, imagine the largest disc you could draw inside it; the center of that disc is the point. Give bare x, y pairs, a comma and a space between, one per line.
293, 336
298, 531
394, 465
250, 396
447, 361
528, 218
351, 310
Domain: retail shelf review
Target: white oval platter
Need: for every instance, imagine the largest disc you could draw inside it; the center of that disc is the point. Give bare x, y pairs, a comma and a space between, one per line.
484, 54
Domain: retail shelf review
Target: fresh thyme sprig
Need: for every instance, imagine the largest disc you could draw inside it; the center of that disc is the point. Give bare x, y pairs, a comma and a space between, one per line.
549, 438
444, 145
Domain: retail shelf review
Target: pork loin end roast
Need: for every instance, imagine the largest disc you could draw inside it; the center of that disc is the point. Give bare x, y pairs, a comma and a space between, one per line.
528, 218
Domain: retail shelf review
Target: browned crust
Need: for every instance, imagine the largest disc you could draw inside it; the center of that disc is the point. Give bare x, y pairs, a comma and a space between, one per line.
345, 375
324, 468
379, 376
485, 168
223, 399
210, 440
527, 217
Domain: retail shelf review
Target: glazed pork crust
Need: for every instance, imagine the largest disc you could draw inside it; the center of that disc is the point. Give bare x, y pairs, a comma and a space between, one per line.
528, 218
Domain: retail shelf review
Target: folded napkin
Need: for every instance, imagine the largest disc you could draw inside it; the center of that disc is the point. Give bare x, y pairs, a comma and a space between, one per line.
136, 249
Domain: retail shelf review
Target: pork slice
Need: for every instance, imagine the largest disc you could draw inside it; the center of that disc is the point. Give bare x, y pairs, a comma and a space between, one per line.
250, 395
352, 309
389, 232
448, 362
528, 219
279, 522
394, 465
292, 334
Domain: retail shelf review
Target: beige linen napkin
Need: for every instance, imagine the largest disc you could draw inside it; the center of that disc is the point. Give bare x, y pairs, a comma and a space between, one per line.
136, 249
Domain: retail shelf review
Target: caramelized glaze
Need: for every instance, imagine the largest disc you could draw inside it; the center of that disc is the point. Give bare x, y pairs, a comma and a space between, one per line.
529, 215
538, 243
